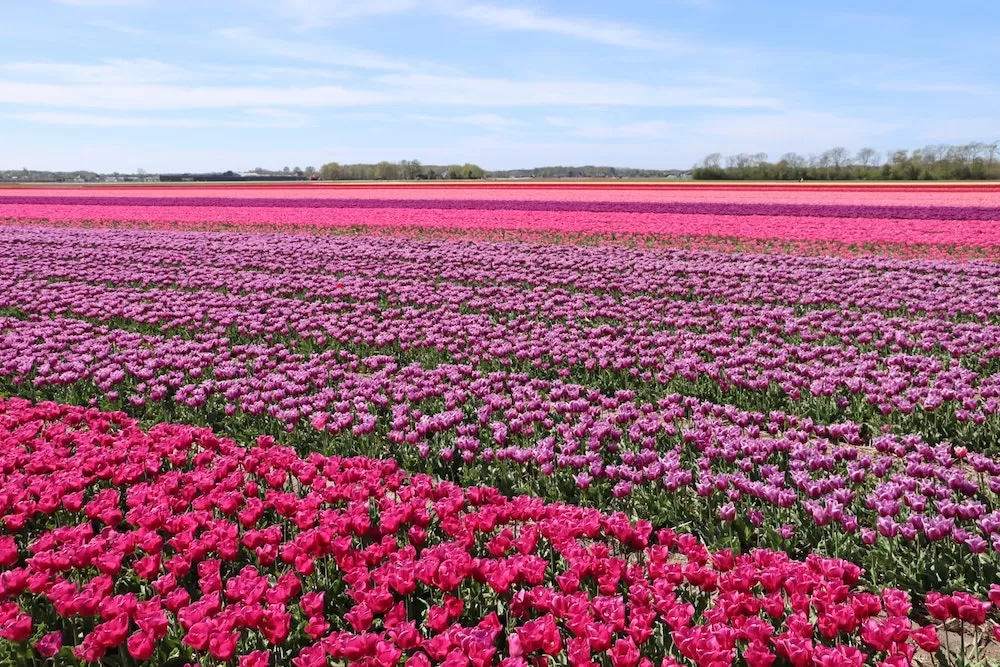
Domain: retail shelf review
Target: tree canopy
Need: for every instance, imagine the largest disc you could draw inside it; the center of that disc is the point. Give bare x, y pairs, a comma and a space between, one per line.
974, 161
406, 170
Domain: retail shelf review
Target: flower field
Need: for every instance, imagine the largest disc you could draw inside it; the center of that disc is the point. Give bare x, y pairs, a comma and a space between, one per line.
896, 220
500, 424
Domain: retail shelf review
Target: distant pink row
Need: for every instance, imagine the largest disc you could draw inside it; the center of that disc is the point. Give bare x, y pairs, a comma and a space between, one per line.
846, 230
815, 195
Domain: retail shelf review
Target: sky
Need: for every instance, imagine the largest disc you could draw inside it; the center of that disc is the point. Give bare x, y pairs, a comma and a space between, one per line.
184, 85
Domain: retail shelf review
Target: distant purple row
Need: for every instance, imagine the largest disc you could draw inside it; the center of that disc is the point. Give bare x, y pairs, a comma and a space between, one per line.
705, 208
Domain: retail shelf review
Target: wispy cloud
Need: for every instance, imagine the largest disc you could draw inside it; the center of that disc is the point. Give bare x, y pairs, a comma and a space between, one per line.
484, 120
457, 90
104, 3
170, 97
307, 14
149, 72
320, 54
120, 28
109, 71
286, 73
277, 117
155, 85
591, 129
508, 17
257, 118
921, 87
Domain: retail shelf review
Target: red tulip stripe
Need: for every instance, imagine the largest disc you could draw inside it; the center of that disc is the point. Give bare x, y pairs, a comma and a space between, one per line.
177, 542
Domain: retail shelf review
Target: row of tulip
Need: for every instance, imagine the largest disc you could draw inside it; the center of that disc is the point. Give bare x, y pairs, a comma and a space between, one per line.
717, 244
768, 209
853, 230
293, 366
981, 195
174, 545
793, 339
738, 478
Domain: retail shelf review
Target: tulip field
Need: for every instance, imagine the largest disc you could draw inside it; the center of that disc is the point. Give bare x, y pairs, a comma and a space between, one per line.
518, 424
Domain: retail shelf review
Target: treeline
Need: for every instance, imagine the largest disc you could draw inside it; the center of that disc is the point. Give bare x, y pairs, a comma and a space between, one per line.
976, 161
285, 173
588, 171
230, 176
413, 170
405, 170
40, 176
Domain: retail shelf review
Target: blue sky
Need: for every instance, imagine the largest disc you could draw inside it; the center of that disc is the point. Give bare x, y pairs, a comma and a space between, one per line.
236, 84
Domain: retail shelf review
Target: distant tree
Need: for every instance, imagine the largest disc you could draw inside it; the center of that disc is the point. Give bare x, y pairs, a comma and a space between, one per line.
386, 171
977, 160
795, 160
466, 171
410, 169
330, 172
839, 157
867, 157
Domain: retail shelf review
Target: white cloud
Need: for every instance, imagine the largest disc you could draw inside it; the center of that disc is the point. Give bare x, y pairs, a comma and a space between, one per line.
109, 71
120, 28
505, 17
286, 73
104, 3
320, 54
591, 129
154, 85
145, 71
486, 120
925, 87
257, 118
452, 90
280, 117
317, 13
124, 97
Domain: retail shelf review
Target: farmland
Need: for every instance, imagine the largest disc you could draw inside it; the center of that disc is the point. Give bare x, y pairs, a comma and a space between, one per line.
511, 424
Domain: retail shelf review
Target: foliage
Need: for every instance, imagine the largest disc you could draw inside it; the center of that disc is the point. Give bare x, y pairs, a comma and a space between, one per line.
975, 161
174, 545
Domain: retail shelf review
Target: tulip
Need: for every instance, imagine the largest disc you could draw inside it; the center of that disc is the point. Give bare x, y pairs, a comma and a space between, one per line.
255, 659
49, 644
927, 639
141, 646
